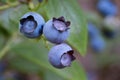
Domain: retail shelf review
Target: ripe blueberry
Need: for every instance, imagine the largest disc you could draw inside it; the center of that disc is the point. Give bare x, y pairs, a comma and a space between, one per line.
92, 30
61, 56
56, 30
97, 43
106, 7
31, 25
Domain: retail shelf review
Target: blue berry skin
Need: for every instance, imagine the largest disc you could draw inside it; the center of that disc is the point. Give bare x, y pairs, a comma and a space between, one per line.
106, 7
93, 31
61, 56
31, 25
97, 43
56, 30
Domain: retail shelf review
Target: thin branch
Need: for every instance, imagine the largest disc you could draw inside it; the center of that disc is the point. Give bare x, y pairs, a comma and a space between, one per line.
9, 5
7, 47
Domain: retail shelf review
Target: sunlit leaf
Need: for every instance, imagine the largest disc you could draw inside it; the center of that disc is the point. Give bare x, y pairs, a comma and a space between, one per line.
9, 18
37, 54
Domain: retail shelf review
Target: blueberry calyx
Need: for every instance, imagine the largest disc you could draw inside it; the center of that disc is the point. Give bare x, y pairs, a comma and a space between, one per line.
67, 58
60, 24
28, 25
71, 54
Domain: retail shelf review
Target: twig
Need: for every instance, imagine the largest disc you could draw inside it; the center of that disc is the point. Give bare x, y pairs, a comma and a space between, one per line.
7, 47
9, 5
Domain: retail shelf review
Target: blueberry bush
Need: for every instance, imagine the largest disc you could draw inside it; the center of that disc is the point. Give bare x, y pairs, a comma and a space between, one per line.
59, 40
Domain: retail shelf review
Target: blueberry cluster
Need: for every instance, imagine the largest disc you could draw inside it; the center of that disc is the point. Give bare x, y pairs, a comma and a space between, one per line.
55, 30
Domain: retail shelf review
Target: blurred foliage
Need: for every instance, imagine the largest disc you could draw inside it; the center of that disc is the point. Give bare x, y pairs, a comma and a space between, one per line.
29, 56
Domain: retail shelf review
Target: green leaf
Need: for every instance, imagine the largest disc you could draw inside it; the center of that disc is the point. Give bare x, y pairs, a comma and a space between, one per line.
3, 1
48, 75
9, 18
93, 17
22, 65
2, 41
37, 54
4, 31
70, 9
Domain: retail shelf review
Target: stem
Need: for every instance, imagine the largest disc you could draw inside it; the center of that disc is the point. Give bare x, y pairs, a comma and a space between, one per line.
4, 50
45, 42
40, 4
37, 7
31, 5
7, 47
9, 5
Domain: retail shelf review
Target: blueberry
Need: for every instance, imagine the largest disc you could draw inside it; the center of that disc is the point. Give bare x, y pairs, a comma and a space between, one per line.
92, 30
61, 56
56, 30
31, 25
97, 43
106, 7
